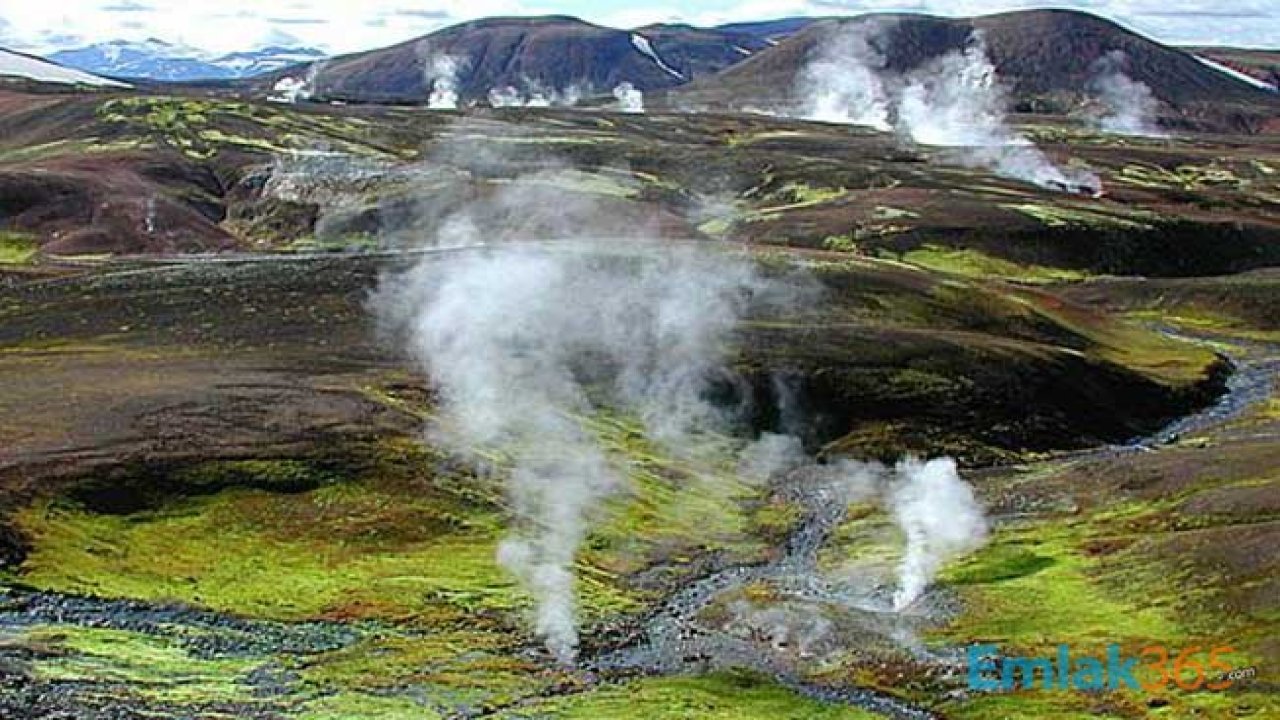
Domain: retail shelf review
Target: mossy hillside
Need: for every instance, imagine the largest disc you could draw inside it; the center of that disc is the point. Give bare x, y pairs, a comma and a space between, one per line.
723, 696
16, 248
1048, 581
202, 127
365, 706
349, 549
387, 546
1177, 363
976, 264
157, 670
453, 664
673, 508
402, 534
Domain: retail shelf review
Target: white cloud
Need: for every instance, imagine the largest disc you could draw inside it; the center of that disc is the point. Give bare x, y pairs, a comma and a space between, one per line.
227, 25
344, 26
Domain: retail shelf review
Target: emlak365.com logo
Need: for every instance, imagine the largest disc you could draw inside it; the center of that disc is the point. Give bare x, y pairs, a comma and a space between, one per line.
1153, 669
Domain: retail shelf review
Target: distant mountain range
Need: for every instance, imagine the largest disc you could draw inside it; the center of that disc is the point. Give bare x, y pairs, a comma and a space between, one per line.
1045, 58
552, 54
159, 60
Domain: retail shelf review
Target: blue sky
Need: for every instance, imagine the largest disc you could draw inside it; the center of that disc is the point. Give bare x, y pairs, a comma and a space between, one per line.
349, 25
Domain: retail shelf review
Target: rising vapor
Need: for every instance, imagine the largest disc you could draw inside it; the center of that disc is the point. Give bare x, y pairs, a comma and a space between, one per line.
440, 73
630, 99
522, 363
1128, 106
842, 83
941, 519
957, 101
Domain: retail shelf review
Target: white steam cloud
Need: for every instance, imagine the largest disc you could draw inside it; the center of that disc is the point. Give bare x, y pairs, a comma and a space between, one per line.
440, 75
530, 323
521, 361
940, 517
957, 100
525, 341
535, 95
292, 90
1128, 106
630, 99
842, 83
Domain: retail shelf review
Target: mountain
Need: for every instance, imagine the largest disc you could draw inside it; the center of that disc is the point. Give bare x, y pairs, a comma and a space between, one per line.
1045, 57
269, 59
552, 53
24, 66
159, 60
774, 30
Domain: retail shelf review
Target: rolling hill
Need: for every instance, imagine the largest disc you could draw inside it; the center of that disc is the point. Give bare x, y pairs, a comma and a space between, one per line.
545, 54
1046, 57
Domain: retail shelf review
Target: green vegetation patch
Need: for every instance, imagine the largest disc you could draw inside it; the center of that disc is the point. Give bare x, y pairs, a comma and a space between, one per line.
366, 706
154, 668
973, 263
1034, 586
722, 696
1057, 216
17, 248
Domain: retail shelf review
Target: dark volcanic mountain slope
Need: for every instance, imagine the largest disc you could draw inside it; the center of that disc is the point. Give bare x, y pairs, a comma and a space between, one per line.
1046, 57
550, 53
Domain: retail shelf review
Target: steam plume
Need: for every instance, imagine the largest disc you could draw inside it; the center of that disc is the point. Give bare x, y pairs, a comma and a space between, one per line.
940, 517
526, 341
292, 90
957, 100
1129, 107
630, 99
440, 75
842, 84
535, 95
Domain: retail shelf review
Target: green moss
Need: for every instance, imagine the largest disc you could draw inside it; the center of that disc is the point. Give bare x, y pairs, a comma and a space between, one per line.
1033, 587
476, 665
1126, 343
972, 263
840, 243
348, 243
154, 668
340, 550
672, 507
590, 183
281, 474
17, 248
1056, 216
726, 696
1037, 704
775, 520
390, 545
1183, 177
365, 706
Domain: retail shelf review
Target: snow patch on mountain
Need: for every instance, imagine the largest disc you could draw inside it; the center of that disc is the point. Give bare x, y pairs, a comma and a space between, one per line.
159, 60
1242, 77
642, 44
15, 65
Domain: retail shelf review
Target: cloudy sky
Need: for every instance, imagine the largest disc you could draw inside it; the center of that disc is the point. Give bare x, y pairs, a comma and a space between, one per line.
348, 25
